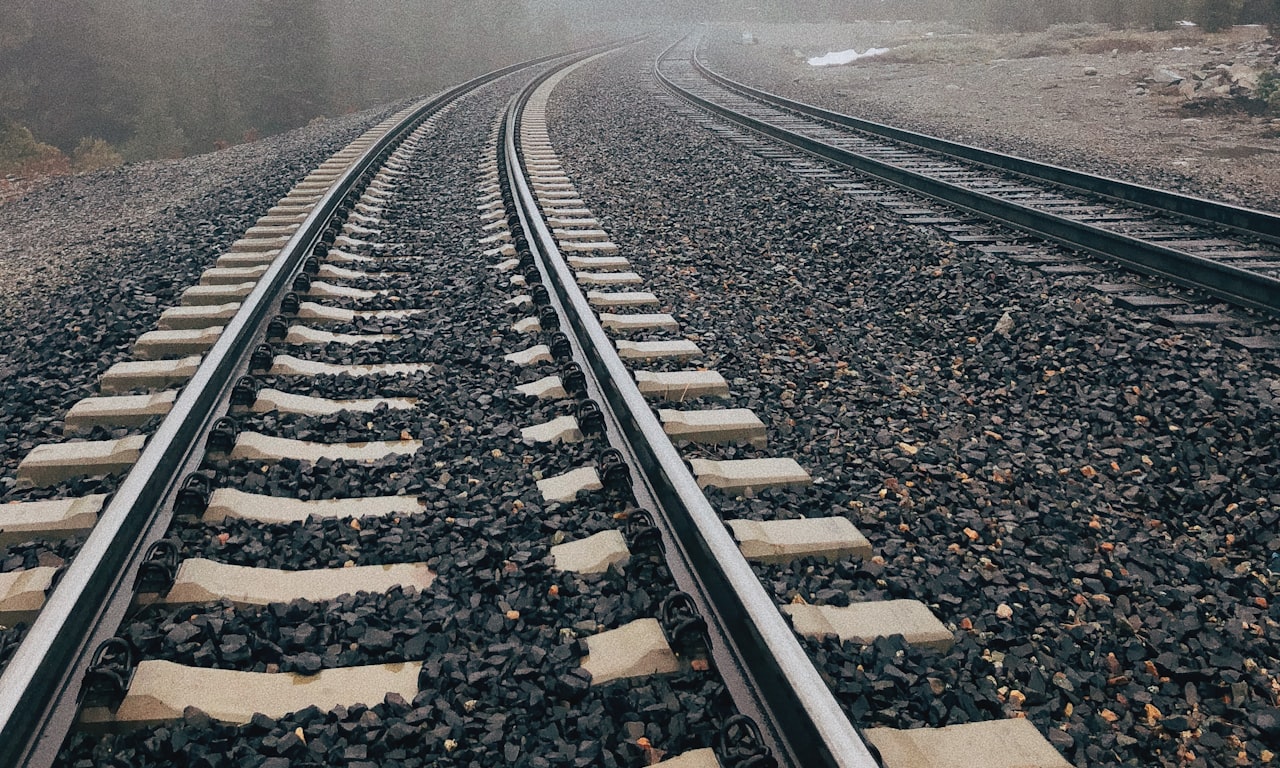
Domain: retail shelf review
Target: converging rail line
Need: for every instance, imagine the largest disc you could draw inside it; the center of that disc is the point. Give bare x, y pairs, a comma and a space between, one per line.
308, 325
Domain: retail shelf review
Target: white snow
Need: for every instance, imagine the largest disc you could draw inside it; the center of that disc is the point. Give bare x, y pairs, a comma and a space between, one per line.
844, 57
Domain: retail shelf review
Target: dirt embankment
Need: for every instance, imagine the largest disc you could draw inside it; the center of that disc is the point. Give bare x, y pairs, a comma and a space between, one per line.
1181, 110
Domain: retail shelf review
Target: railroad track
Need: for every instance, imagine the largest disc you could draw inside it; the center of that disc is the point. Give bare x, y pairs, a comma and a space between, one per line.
432, 497
1222, 250
637, 357
1006, 553
334, 380
87, 656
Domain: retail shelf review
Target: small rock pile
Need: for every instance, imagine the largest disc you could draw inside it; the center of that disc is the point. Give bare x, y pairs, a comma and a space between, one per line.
1227, 77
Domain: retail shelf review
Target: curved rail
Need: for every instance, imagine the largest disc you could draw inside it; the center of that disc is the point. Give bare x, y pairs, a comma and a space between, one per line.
1255, 223
807, 722
1237, 285
42, 684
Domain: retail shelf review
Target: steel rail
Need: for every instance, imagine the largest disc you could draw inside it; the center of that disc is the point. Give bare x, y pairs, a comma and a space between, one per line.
42, 684
1263, 225
1236, 285
811, 727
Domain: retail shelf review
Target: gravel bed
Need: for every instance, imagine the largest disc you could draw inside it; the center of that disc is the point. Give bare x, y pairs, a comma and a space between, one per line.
1089, 502
91, 261
1047, 108
499, 629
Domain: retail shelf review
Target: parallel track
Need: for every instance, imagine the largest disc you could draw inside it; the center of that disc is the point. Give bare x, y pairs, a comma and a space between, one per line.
753, 647
1224, 250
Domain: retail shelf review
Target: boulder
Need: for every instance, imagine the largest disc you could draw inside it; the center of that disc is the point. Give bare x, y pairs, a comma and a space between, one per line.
1244, 76
1165, 76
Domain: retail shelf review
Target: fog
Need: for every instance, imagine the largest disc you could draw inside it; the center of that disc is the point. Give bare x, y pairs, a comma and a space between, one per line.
90, 83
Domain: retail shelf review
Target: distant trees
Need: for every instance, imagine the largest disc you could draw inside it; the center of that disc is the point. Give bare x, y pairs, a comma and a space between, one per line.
284, 67
88, 82
1215, 15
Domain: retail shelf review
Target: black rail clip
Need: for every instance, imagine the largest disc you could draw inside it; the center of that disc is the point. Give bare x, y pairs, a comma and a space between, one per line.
590, 418
290, 304
277, 328
548, 319
312, 265
739, 745
686, 630
262, 358
158, 569
302, 283
193, 497
561, 348
573, 379
245, 392
223, 436
526, 258
541, 296
615, 475
531, 275
642, 534
110, 670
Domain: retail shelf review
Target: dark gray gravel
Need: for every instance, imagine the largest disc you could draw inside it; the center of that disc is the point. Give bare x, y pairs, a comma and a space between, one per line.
91, 261
1112, 481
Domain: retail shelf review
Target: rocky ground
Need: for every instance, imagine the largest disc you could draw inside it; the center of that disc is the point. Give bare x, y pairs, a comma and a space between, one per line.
1089, 502
1170, 109
88, 262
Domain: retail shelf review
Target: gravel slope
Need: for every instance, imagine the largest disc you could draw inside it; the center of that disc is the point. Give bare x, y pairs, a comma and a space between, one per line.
1090, 502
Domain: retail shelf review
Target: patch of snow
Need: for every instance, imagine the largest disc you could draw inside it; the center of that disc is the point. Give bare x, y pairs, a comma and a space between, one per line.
1185, 23
836, 58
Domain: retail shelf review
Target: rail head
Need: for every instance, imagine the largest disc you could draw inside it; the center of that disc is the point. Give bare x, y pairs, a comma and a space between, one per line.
813, 726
